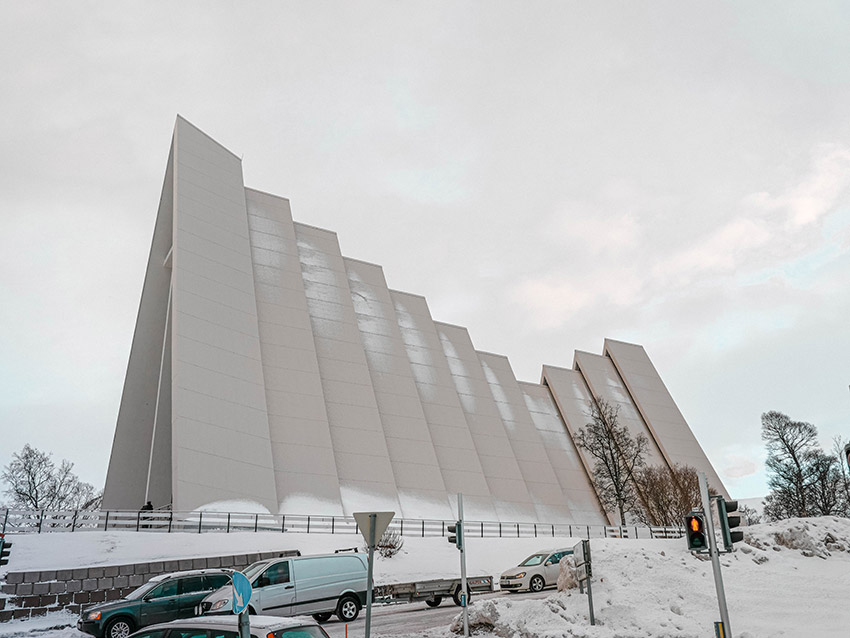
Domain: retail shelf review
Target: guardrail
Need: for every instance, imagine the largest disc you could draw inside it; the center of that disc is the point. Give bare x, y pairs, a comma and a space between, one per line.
166, 521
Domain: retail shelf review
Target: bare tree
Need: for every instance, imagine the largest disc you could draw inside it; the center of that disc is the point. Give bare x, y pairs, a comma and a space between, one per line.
389, 544
750, 514
36, 482
667, 494
790, 446
825, 487
617, 456
838, 450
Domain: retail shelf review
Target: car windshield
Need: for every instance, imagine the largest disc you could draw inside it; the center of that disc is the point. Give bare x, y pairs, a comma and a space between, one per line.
533, 560
310, 631
141, 591
255, 569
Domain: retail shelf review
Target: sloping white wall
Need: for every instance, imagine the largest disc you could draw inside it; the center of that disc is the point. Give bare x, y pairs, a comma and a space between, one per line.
221, 452
306, 479
295, 381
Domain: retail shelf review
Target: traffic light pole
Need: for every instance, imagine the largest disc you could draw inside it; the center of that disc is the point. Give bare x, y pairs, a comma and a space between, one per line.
464, 597
715, 556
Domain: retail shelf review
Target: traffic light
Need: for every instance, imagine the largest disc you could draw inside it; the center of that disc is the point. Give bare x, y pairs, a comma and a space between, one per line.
457, 530
695, 531
847, 454
728, 522
5, 547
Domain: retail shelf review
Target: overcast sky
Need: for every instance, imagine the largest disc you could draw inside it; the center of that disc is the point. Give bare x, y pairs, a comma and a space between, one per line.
547, 174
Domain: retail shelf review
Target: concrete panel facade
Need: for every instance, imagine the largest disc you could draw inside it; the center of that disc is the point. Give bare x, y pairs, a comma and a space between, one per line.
564, 457
421, 489
129, 463
536, 469
604, 383
674, 438
270, 373
215, 460
498, 461
306, 479
366, 479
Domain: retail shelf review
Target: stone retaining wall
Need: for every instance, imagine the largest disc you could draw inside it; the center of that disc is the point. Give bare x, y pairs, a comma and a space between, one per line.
37, 593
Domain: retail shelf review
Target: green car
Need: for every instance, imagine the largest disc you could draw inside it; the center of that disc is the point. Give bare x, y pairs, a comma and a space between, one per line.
161, 599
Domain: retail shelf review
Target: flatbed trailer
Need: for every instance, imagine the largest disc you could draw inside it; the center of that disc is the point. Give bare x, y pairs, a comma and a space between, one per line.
433, 591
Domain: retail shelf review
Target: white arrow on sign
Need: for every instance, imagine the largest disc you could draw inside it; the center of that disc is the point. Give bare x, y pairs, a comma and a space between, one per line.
382, 521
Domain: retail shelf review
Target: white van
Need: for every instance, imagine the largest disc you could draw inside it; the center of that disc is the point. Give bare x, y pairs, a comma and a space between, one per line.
319, 585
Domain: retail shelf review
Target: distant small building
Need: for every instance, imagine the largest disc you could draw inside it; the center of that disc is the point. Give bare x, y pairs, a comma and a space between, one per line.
268, 371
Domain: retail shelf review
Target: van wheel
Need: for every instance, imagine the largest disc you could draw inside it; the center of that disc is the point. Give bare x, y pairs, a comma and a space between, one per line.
323, 617
120, 627
251, 611
456, 596
434, 602
537, 584
347, 608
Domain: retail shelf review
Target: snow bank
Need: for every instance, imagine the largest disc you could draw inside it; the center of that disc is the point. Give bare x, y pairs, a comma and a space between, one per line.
775, 586
787, 579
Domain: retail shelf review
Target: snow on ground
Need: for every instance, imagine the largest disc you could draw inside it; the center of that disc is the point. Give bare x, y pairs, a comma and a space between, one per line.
431, 557
787, 579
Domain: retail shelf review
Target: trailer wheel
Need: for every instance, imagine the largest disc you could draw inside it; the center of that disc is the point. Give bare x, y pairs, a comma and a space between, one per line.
434, 602
456, 596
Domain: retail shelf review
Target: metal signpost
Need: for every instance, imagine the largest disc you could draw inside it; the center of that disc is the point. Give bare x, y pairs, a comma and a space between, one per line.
464, 598
372, 526
724, 630
584, 571
241, 597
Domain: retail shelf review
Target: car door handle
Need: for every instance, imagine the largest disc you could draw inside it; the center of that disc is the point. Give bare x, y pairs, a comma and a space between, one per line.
289, 587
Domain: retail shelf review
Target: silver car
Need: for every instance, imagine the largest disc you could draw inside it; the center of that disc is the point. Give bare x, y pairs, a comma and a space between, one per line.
536, 572
227, 627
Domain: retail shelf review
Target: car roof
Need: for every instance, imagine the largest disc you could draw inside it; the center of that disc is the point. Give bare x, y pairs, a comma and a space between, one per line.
265, 623
190, 572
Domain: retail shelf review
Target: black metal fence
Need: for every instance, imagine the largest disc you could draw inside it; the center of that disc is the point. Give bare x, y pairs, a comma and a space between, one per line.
167, 521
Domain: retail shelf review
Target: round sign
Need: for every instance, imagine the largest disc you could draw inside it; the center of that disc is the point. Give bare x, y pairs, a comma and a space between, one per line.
241, 592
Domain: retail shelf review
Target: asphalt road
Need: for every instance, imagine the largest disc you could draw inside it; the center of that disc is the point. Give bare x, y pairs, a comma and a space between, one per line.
410, 618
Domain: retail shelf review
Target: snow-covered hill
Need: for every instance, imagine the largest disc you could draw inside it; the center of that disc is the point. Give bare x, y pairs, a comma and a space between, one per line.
787, 579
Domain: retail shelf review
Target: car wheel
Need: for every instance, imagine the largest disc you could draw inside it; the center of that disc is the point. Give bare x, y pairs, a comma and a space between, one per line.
347, 608
120, 627
537, 584
434, 602
456, 596
323, 617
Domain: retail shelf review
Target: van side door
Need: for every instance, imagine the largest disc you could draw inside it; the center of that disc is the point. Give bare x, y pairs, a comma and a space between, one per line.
276, 589
321, 580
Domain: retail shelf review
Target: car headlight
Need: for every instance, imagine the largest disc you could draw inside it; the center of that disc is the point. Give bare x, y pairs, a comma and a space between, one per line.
219, 604
93, 615
520, 575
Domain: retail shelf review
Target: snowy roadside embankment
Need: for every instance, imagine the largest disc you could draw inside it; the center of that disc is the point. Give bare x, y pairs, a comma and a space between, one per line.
787, 579
420, 558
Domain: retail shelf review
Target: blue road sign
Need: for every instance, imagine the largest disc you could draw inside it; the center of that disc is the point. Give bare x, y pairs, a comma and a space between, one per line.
241, 592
